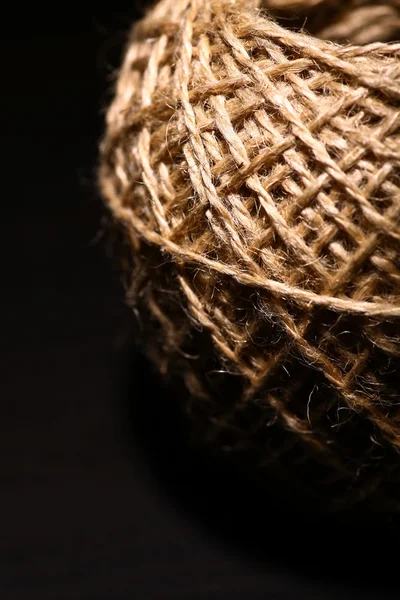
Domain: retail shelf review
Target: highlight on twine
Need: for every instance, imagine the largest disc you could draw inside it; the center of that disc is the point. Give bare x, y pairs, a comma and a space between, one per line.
252, 158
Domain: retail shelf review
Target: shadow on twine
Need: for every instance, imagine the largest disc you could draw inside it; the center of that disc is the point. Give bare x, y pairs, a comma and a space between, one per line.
269, 525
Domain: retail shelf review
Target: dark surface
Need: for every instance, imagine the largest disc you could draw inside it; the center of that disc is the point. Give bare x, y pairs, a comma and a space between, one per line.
100, 497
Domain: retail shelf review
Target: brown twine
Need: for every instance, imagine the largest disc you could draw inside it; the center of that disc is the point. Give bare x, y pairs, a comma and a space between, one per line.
355, 21
255, 169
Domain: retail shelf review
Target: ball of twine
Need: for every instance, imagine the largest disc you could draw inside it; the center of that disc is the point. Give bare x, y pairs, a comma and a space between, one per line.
255, 170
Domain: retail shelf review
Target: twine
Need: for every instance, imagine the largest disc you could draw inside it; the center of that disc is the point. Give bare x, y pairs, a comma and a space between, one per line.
255, 169
355, 21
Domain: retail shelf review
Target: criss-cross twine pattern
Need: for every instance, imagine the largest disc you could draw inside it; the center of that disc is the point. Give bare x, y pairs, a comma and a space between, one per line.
256, 172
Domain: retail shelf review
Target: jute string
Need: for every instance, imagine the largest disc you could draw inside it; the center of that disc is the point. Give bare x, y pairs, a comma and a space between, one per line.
355, 21
255, 170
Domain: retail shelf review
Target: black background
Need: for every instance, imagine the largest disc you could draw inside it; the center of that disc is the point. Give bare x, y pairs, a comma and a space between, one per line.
100, 498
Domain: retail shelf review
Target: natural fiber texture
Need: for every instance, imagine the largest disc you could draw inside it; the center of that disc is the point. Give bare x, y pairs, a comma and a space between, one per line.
256, 172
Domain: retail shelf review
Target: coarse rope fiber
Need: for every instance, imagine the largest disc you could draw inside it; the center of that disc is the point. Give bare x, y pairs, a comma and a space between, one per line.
255, 170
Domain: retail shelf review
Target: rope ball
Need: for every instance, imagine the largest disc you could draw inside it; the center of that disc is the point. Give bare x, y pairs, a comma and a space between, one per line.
252, 158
